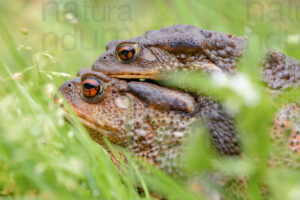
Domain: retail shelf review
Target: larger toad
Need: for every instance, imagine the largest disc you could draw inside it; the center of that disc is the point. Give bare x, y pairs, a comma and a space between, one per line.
150, 120
154, 122
152, 133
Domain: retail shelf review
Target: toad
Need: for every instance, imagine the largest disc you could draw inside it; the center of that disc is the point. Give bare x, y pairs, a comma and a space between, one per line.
154, 122
179, 47
186, 47
150, 120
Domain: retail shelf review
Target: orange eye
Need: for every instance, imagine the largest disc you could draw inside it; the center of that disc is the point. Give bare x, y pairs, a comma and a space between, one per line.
91, 87
126, 52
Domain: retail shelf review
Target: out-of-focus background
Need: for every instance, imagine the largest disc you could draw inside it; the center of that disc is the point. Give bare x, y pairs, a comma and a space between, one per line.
44, 43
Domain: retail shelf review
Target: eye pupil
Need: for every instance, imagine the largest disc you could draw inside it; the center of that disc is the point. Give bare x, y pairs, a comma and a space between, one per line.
91, 87
126, 52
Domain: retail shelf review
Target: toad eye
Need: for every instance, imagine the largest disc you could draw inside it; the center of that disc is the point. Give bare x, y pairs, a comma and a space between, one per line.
91, 87
126, 52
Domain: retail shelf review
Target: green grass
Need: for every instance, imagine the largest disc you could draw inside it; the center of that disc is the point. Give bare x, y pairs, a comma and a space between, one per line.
43, 157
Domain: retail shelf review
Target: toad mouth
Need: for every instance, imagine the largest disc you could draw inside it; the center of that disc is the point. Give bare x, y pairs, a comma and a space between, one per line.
91, 125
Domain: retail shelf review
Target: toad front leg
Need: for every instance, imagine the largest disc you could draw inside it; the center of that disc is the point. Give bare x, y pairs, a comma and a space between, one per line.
218, 122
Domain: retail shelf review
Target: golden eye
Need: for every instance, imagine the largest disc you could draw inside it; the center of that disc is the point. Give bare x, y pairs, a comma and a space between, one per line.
91, 87
126, 52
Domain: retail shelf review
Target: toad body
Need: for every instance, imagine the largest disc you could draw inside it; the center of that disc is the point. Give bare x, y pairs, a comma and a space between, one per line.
150, 120
154, 121
170, 49
188, 48
183, 47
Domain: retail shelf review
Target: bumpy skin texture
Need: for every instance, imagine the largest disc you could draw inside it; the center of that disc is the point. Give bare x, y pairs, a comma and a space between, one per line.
156, 134
184, 47
281, 72
179, 47
163, 98
286, 137
220, 124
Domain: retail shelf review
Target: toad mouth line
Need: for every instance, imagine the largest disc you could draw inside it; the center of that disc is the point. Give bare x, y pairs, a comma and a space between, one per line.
85, 122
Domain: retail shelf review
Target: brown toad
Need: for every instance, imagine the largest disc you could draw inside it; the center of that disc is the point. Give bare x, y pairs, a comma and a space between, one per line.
150, 120
169, 49
185, 47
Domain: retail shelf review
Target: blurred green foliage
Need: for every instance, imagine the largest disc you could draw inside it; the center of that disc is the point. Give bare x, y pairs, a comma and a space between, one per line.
44, 43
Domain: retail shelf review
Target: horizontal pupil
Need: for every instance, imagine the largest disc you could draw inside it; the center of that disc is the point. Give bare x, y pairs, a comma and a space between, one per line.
89, 86
126, 52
